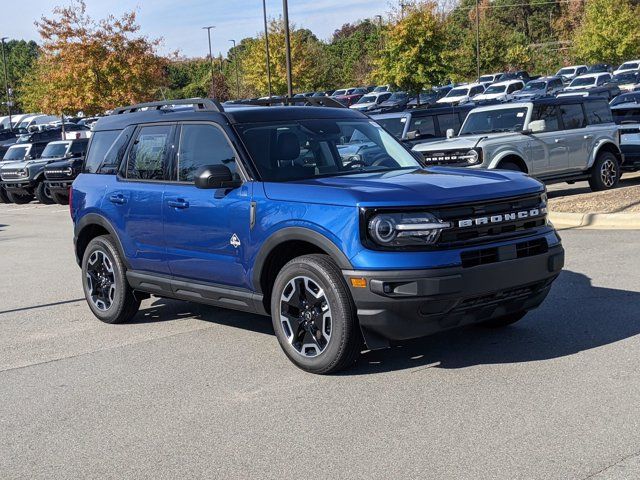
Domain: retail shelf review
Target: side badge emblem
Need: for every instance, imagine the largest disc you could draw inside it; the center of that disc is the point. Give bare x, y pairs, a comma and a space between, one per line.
235, 241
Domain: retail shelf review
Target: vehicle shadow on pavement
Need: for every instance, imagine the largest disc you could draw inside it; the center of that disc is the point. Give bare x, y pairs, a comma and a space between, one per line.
571, 190
576, 316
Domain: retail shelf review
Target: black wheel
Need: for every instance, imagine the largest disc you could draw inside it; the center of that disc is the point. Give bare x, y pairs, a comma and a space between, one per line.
4, 198
108, 294
60, 198
504, 321
313, 315
510, 166
43, 194
605, 173
19, 198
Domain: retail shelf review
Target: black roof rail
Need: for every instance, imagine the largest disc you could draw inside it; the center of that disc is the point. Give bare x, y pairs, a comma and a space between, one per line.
203, 104
307, 101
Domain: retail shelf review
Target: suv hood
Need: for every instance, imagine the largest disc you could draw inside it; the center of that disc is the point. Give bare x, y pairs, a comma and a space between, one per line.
464, 142
36, 161
420, 187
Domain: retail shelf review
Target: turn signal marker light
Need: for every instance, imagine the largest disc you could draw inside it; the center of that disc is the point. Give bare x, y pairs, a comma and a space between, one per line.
358, 282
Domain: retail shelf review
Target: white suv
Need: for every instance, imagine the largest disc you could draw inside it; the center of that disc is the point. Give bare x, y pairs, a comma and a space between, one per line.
554, 139
501, 91
462, 94
592, 80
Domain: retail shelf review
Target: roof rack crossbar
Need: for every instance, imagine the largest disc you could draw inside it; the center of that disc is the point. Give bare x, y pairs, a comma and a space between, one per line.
202, 104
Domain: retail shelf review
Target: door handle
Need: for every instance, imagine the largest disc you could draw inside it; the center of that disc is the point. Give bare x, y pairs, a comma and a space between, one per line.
588, 137
179, 203
118, 199
558, 140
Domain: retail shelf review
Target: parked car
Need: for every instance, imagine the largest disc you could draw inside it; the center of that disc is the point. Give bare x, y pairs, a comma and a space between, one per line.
370, 101
571, 72
630, 66
607, 91
429, 97
60, 174
35, 121
395, 103
626, 113
501, 91
542, 87
382, 88
462, 94
25, 179
592, 80
599, 68
515, 75
553, 139
486, 80
335, 252
17, 153
627, 81
15, 120
349, 96
423, 125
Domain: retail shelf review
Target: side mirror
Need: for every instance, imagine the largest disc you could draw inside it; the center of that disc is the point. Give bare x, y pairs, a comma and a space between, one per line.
413, 134
537, 126
215, 176
451, 133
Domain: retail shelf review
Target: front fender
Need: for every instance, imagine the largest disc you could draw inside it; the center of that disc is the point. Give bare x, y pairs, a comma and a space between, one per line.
503, 152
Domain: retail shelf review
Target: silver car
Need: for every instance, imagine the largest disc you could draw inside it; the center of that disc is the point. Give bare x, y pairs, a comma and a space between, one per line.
553, 139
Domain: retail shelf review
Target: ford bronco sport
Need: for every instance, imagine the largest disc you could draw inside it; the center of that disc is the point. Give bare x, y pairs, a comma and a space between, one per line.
553, 139
267, 210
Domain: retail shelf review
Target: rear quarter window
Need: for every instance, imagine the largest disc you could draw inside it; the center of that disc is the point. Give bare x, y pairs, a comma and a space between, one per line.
598, 112
99, 145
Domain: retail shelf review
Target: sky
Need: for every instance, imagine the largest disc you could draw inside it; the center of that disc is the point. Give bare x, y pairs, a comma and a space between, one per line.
180, 22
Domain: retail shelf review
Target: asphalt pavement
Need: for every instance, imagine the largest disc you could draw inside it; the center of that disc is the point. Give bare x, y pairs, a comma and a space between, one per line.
187, 391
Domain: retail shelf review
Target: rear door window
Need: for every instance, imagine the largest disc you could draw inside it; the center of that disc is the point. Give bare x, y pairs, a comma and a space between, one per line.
572, 116
149, 156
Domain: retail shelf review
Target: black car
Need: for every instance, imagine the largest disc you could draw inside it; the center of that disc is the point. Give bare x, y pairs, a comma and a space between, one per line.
516, 75
429, 97
599, 68
396, 103
59, 175
422, 125
626, 113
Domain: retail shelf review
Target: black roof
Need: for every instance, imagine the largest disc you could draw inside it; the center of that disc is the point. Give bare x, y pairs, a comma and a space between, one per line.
230, 114
565, 100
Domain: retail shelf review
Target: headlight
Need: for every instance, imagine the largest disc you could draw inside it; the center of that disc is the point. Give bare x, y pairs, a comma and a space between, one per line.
23, 172
405, 229
68, 171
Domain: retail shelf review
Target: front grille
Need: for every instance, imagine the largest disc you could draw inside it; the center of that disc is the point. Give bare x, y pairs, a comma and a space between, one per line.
11, 174
484, 256
497, 215
58, 173
500, 297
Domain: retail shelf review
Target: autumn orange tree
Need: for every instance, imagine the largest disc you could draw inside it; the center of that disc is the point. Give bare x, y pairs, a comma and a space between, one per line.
92, 65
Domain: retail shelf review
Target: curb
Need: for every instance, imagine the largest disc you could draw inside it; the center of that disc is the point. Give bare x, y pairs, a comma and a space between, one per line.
595, 221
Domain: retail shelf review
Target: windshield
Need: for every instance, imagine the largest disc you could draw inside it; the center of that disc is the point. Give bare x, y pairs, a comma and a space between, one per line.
492, 121
626, 98
485, 78
339, 92
629, 66
394, 125
626, 115
53, 150
458, 92
304, 149
16, 153
566, 71
367, 99
496, 89
534, 86
629, 77
397, 96
583, 81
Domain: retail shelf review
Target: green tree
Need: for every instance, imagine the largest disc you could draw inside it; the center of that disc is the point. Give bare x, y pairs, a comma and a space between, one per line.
351, 53
413, 52
21, 57
610, 32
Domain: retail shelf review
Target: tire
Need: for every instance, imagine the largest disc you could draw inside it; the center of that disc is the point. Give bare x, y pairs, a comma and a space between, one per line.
505, 321
43, 195
605, 173
60, 198
311, 291
19, 198
104, 282
4, 198
511, 166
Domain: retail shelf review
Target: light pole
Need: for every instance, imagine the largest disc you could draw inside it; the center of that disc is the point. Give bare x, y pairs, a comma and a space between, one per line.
6, 82
235, 60
379, 17
208, 29
478, 38
287, 46
266, 41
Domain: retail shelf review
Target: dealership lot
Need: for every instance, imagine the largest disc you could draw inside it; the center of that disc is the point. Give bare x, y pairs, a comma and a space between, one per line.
200, 392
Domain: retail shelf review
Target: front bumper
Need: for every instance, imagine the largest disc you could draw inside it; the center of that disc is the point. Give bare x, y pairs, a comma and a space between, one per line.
404, 304
59, 186
19, 185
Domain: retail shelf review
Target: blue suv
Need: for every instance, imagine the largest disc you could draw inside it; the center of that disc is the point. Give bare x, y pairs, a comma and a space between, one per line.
315, 216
